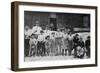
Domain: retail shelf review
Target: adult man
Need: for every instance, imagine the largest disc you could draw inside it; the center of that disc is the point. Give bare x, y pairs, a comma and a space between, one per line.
36, 29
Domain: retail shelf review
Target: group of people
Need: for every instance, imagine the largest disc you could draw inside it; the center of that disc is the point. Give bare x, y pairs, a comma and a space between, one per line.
39, 42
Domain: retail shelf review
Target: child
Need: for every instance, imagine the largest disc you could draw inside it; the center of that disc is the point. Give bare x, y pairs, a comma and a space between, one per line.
27, 34
70, 42
75, 44
41, 44
53, 44
87, 45
33, 43
47, 31
80, 48
47, 45
65, 44
58, 41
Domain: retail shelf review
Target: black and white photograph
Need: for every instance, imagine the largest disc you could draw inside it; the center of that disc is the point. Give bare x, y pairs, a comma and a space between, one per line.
53, 36
56, 36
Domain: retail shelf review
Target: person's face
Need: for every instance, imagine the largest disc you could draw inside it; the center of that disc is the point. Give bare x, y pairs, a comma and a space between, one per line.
37, 24
58, 30
62, 31
32, 36
77, 36
66, 31
48, 38
51, 25
53, 35
47, 28
69, 33
41, 33
80, 39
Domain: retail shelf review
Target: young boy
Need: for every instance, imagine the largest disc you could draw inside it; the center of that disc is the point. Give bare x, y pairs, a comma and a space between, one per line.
41, 44
75, 44
27, 34
80, 48
33, 43
47, 45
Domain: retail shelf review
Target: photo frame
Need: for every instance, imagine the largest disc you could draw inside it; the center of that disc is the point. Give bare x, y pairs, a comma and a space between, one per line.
32, 48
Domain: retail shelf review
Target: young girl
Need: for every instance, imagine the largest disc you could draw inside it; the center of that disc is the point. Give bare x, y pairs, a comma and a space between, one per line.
65, 44
70, 42
58, 42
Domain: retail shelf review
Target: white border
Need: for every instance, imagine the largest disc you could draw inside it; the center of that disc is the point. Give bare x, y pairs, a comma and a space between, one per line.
23, 64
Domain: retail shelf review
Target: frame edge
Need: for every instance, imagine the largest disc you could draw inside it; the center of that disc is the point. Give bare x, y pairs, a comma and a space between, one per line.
14, 49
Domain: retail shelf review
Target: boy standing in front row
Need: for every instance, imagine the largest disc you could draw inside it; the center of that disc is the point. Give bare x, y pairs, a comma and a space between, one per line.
47, 45
33, 45
27, 34
41, 44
